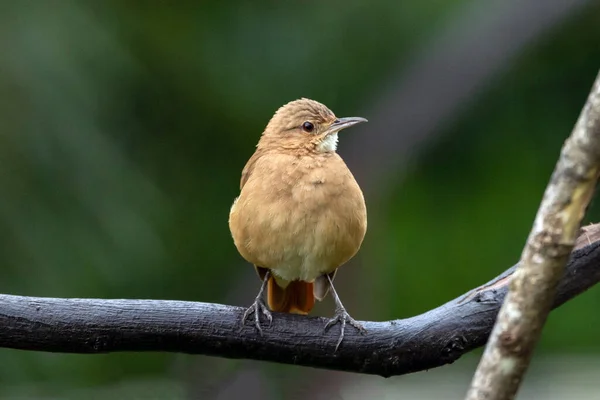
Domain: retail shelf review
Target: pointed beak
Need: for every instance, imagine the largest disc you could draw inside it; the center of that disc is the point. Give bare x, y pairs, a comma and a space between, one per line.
343, 123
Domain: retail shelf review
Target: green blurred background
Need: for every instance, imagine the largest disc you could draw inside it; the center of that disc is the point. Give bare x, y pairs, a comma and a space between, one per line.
124, 127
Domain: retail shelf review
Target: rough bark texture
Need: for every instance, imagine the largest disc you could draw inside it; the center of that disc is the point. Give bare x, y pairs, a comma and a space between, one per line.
429, 340
533, 285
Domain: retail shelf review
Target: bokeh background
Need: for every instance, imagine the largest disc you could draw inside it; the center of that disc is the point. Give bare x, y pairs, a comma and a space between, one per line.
124, 127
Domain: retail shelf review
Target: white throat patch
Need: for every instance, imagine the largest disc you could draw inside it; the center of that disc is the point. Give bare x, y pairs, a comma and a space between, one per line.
329, 143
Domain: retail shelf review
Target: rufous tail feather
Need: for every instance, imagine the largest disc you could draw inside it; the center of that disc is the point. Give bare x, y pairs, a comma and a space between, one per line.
296, 298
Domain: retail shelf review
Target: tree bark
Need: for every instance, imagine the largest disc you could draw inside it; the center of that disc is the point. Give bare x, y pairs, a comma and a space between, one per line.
397, 347
533, 285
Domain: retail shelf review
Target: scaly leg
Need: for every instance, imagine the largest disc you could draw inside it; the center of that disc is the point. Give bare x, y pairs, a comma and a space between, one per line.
341, 316
259, 307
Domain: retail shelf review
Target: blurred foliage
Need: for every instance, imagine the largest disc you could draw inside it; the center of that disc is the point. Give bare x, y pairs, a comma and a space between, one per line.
125, 128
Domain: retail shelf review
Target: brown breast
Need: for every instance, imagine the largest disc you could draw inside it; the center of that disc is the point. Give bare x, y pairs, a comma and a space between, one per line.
298, 216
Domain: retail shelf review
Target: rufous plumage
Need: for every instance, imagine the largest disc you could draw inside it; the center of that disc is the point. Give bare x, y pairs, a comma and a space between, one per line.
300, 214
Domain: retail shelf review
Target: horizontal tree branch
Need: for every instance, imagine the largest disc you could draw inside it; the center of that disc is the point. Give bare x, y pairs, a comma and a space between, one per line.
402, 346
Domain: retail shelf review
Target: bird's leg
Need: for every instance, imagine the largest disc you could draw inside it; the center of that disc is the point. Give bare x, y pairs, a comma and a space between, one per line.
341, 316
259, 307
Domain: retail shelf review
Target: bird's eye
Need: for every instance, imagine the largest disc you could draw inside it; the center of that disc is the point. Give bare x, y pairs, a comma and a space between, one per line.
308, 126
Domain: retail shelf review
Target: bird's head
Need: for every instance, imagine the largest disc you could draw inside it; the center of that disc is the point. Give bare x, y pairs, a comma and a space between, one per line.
306, 124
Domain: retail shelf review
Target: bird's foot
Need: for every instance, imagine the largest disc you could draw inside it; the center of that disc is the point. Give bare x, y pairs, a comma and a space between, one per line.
342, 316
258, 308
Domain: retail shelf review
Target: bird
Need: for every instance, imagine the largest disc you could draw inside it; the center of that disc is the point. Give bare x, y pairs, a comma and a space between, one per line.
300, 214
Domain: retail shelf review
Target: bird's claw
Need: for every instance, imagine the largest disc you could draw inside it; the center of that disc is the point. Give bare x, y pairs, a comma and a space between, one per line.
342, 316
258, 308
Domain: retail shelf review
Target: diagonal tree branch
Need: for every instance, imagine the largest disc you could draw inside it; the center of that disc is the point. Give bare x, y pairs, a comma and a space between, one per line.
429, 340
533, 285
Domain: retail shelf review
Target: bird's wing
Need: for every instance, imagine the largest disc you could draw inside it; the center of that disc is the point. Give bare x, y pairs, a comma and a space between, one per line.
249, 168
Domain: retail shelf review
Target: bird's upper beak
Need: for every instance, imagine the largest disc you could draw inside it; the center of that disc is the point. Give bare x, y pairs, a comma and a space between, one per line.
343, 123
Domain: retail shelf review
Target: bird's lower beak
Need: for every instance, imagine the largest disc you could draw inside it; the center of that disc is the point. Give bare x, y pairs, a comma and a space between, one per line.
343, 123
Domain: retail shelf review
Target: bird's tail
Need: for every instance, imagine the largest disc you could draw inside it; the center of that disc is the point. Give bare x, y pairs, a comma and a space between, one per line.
296, 298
